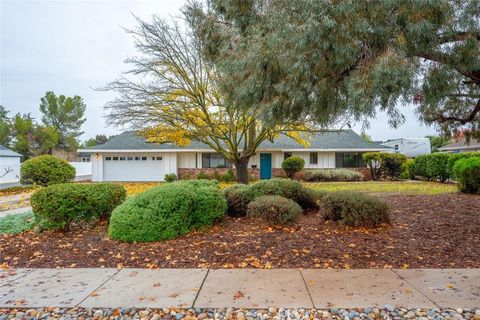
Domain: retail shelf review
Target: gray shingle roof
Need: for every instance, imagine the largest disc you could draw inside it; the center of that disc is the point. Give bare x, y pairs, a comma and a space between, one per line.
462, 143
5, 152
344, 139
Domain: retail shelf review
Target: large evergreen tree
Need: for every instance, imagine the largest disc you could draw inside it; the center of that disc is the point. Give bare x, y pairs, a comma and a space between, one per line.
294, 58
65, 115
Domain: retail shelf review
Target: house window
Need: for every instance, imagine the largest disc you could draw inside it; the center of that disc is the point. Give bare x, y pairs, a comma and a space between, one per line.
313, 158
286, 155
114, 158
144, 158
137, 158
129, 158
122, 158
214, 160
349, 160
159, 158
108, 158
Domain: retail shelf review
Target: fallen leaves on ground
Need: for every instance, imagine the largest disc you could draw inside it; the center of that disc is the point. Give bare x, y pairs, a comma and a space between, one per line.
440, 231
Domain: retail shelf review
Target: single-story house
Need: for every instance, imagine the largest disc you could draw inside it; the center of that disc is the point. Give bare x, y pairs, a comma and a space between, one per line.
9, 165
129, 157
462, 146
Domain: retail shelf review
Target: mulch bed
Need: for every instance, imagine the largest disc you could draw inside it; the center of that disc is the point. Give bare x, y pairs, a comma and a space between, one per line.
440, 231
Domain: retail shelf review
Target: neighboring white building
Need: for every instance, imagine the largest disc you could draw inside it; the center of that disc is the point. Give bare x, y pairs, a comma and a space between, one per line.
128, 157
462, 146
9, 165
410, 147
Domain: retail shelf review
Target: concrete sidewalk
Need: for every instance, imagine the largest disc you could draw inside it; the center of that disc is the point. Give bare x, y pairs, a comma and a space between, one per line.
243, 288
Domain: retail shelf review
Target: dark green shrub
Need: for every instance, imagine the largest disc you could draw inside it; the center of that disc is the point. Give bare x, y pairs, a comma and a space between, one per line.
160, 213
170, 177
287, 188
56, 206
292, 165
275, 210
46, 170
355, 209
168, 211
457, 156
437, 166
393, 163
238, 197
420, 166
408, 170
467, 171
384, 165
229, 176
333, 175
202, 175
209, 204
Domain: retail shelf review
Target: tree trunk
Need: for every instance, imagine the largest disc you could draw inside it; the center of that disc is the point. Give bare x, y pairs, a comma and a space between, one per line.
241, 168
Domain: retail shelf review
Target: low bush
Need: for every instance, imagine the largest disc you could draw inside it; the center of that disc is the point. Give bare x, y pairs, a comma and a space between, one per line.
170, 177
437, 166
287, 188
292, 165
384, 165
168, 211
467, 171
275, 210
322, 175
202, 175
46, 170
57, 206
17, 223
229, 176
238, 197
355, 209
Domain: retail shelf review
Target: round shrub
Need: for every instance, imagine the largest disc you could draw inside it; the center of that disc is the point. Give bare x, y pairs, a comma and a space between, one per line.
56, 206
170, 177
287, 188
454, 157
467, 171
355, 209
168, 211
46, 170
238, 197
292, 165
160, 213
275, 210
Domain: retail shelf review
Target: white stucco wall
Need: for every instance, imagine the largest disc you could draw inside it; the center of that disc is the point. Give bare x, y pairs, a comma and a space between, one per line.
11, 164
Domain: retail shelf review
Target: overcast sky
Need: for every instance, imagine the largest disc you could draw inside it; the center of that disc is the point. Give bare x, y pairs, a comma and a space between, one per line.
70, 47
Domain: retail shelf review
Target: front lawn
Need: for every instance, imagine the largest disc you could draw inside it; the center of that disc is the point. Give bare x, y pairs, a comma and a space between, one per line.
404, 187
426, 231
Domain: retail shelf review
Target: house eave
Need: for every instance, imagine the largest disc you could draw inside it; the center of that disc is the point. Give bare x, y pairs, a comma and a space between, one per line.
211, 150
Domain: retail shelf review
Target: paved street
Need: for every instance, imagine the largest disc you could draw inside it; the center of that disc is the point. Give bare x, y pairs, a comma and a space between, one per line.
242, 288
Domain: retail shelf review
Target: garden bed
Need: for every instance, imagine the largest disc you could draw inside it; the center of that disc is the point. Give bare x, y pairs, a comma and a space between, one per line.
427, 231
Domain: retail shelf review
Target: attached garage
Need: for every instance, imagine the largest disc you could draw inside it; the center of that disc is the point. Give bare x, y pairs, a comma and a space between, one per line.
133, 166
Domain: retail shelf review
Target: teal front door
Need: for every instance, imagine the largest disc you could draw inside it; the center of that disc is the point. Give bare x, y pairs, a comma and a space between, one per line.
265, 165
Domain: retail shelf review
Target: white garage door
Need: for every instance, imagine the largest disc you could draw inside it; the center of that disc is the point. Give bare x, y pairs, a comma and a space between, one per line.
137, 167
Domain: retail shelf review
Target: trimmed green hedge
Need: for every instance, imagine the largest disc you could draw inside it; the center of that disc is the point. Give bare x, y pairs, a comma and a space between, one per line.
238, 197
355, 209
439, 166
467, 171
46, 170
57, 206
168, 211
275, 210
322, 175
